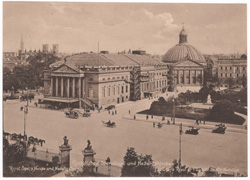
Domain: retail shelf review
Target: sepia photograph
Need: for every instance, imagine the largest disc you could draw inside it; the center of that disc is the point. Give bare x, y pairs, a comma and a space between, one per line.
124, 89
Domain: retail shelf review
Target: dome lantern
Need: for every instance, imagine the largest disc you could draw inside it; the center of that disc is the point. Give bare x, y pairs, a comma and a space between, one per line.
183, 36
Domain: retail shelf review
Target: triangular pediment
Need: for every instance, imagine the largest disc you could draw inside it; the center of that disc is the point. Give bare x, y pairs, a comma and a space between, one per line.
187, 63
65, 69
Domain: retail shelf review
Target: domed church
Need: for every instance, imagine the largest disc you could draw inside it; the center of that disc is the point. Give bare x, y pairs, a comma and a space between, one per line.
187, 62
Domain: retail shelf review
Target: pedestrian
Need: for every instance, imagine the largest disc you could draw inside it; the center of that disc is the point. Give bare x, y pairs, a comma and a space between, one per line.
152, 116
96, 169
134, 117
128, 111
147, 117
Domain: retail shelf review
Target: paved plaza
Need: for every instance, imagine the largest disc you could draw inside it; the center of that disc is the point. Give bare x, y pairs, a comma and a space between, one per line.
227, 152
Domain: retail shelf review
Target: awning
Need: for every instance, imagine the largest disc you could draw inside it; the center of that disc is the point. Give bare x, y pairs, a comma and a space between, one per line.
63, 100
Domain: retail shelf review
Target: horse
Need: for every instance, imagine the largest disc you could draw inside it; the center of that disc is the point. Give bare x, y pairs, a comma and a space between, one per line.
41, 141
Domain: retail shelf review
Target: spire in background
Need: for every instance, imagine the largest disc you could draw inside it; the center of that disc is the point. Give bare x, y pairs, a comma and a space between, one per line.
22, 44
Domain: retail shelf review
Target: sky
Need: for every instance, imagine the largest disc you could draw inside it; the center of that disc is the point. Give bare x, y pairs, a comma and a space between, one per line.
154, 27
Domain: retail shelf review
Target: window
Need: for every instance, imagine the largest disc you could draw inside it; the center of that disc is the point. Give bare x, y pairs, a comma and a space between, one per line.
237, 75
118, 90
122, 89
221, 68
243, 75
113, 90
109, 91
126, 88
237, 68
157, 84
225, 74
103, 92
221, 75
243, 68
103, 79
122, 77
118, 77
230, 68
226, 68
113, 78
230, 75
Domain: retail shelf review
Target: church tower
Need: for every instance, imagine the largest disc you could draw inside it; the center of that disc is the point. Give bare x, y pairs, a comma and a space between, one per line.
21, 45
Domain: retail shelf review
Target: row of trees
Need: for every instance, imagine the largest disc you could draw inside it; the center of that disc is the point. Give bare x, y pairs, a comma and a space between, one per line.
27, 76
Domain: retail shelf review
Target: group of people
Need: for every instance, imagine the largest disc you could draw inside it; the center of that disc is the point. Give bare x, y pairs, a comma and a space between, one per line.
199, 122
113, 112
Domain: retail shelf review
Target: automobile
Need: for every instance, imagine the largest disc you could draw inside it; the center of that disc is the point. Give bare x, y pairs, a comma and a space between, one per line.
110, 107
192, 130
72, 114
86, 114
221, 128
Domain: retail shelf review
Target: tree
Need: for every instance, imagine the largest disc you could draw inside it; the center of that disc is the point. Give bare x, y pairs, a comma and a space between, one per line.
222, 111
137, 165
230, 82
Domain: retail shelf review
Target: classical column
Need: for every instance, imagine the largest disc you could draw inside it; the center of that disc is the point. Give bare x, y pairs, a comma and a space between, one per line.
202, 76
189, 77
73, 88
79, 87
83, 89
62, 86
68, 87
51, 86
195, 75
178, 77
184, 77
56, 86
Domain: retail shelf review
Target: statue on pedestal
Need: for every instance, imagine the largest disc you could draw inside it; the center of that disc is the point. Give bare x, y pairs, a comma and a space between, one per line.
89, 146
209, 101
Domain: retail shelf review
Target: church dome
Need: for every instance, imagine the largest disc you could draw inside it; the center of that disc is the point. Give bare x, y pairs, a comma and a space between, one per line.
183, 50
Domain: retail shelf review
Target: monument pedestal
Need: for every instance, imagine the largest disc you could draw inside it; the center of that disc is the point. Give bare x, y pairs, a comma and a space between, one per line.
88, 159
65, 155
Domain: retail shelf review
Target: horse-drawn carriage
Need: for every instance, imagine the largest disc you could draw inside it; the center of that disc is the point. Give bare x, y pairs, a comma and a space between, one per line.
221, 128
109, 124
159, 125
192, 130
72, 114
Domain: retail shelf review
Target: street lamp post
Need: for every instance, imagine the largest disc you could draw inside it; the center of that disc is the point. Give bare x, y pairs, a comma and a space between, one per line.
180, 145
173, 111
